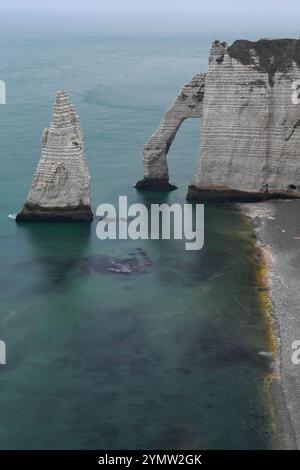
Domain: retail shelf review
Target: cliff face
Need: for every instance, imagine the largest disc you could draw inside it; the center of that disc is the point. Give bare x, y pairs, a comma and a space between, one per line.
61, 185
188, 104
250, 143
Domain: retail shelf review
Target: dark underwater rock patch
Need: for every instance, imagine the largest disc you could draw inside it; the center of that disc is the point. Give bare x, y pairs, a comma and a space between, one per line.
135, 263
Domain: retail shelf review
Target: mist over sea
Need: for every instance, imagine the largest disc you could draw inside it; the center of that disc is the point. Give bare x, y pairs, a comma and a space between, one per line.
167, 356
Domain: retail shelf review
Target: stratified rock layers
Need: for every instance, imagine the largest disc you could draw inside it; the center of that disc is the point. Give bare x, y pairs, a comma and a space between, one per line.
60, 189
187, 105
250, 143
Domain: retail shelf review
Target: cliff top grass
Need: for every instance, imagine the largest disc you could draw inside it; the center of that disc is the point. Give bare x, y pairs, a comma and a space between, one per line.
275, 55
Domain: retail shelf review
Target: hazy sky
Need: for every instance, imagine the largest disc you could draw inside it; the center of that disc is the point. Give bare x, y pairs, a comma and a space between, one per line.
150, 15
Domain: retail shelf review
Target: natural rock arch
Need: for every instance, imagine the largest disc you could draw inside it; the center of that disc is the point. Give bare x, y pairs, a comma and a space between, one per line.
188, 104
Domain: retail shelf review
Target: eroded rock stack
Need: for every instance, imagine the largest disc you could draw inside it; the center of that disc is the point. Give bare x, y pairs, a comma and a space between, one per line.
61, 185
250, 142
188, 104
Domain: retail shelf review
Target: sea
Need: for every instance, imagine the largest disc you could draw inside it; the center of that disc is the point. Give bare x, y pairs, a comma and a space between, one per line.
171, 354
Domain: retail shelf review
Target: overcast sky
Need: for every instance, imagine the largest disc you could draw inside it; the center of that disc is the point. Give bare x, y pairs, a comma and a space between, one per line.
151, 15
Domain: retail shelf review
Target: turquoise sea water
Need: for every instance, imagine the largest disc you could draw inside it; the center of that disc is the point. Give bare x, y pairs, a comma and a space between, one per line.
167, 357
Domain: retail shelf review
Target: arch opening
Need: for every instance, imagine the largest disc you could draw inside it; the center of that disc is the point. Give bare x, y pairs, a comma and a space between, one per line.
187, 105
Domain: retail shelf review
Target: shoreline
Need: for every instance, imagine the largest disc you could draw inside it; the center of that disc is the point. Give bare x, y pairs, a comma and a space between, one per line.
277, 231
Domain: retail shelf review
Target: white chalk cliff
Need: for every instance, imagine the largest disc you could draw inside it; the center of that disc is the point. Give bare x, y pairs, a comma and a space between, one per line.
61, 185
250, 140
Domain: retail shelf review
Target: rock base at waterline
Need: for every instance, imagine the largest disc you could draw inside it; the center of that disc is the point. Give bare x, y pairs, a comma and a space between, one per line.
148, 184
68, 214
232, 195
